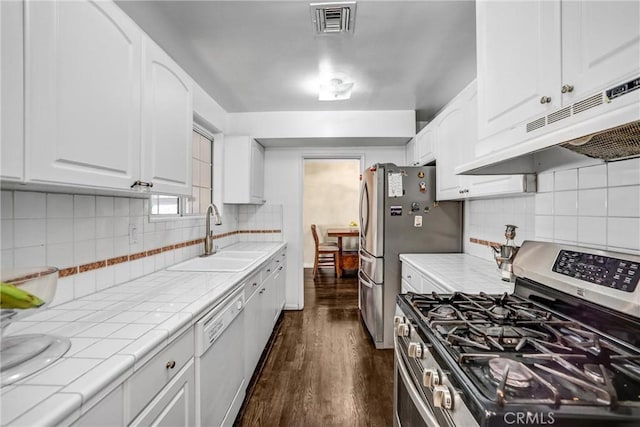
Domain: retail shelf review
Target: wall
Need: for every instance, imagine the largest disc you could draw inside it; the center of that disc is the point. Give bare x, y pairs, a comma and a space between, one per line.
87, 237
283, 185
326, 124
331, 193
593, 206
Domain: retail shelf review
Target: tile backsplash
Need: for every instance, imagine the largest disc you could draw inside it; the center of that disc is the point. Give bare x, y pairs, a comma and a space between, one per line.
112, 237
596, 206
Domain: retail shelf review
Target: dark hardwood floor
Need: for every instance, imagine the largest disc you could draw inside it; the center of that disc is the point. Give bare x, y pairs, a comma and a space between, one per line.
323, 369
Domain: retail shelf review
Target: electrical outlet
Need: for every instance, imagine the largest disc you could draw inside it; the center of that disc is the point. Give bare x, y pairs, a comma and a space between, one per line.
133, 234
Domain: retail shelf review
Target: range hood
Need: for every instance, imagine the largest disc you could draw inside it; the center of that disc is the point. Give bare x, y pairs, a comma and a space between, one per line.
601, 128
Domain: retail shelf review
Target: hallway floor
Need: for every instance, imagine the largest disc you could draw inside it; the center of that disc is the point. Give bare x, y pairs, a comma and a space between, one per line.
323, 369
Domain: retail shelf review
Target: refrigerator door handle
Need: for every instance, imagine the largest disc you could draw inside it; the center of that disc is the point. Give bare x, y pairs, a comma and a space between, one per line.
364, 216
365, 280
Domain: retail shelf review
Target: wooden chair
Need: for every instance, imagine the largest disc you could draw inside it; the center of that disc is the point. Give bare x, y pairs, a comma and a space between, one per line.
326, 253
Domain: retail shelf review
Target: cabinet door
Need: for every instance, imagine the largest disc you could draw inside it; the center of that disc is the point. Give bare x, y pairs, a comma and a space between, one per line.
83, 76
252, 329
425, 144
596, 55
12, 84
266, 312
243, 171
174, 405
518, 48
168, 123
106, 413
257, 172
411, 153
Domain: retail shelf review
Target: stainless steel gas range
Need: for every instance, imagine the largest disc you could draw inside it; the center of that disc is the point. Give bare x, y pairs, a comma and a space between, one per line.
562, 350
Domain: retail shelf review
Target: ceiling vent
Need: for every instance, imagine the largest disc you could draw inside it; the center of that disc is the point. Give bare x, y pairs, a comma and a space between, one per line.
333, 17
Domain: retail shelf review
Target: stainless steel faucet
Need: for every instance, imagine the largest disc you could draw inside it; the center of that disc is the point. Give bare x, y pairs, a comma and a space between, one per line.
208, 237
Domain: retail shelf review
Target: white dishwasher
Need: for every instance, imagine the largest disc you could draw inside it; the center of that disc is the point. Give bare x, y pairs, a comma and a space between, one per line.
220, 363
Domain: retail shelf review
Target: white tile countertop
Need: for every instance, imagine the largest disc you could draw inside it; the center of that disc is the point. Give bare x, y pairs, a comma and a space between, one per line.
459, 272
113, 333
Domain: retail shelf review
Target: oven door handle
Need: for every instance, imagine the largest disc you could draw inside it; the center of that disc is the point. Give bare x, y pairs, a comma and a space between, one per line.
425, 412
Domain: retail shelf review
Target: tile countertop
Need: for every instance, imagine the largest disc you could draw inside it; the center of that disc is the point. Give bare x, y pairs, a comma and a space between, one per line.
113, 333
460, 272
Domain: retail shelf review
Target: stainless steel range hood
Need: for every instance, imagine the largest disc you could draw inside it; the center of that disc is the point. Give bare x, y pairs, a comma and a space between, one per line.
608, 130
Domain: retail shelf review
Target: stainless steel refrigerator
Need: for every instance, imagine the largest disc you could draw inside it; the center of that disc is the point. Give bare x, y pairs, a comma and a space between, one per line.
398, 214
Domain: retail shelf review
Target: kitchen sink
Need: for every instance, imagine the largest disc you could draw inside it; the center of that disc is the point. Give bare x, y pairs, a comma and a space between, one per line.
229, 262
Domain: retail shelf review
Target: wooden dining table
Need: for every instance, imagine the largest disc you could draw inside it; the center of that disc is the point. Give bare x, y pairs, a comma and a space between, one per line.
340, 233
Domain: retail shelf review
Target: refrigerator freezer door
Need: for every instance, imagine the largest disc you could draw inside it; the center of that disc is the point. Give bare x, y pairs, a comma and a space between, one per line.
371, 306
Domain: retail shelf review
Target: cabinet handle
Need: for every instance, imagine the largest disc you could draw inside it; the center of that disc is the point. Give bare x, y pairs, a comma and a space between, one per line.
171, 364
139, 183
545, 100
567, 89
262, 290
255, 284
408, 276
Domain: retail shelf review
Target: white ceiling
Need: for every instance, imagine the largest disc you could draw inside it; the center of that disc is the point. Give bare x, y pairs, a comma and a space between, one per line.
257, 55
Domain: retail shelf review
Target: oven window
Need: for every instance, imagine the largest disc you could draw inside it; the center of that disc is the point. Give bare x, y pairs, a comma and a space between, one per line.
408, 414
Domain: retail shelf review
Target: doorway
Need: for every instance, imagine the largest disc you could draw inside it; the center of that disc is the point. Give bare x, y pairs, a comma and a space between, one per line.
331, 189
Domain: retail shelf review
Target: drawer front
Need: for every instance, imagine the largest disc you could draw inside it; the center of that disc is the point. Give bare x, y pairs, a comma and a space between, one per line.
429, 286
268, 269
406, 287
412, 277
251, 285
155, 374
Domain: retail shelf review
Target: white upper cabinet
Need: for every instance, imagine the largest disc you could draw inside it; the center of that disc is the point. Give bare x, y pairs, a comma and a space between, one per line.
105, 107
537, 58
518, 48
12, 100
456, 140
83, 77
167, 123
410, 152
596, 56
243, 170
425, 145
421, 149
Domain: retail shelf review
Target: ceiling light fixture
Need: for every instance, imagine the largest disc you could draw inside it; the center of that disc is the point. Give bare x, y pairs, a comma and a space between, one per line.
335, 89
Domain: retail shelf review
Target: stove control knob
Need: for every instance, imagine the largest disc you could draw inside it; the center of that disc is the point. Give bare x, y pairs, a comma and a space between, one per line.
430, 377
442, 397
398, 319
403, 330
415, 350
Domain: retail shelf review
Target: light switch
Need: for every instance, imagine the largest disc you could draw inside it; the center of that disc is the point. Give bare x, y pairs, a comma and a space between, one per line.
417, 221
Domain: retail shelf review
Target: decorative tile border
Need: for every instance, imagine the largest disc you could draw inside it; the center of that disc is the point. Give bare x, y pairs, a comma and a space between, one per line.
70, 271
484, 242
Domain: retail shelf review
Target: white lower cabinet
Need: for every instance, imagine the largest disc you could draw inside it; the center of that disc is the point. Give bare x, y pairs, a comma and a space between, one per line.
262, 308
141, 389
186, 384
108, 412
174, 405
